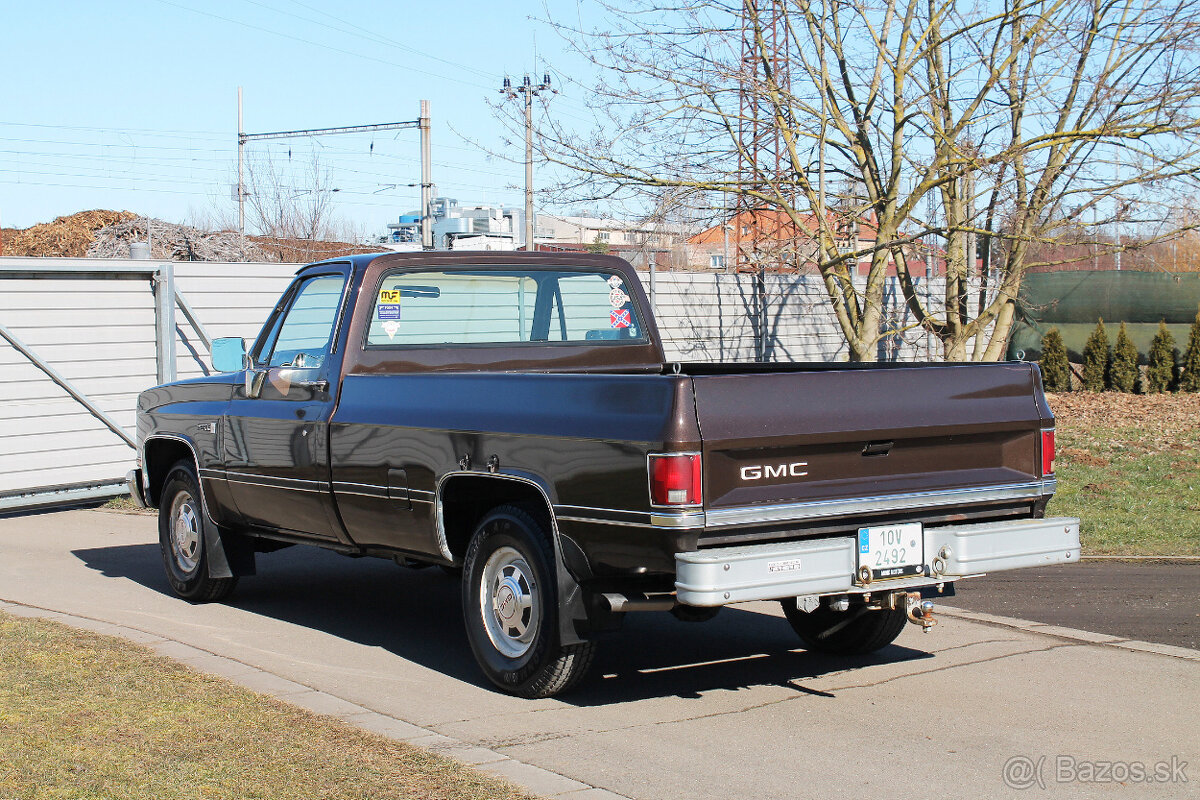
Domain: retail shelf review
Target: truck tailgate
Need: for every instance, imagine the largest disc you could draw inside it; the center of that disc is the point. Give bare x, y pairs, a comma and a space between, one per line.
827, 435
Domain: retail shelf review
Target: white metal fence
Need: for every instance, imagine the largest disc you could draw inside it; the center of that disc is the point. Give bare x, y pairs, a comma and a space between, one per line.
80, 338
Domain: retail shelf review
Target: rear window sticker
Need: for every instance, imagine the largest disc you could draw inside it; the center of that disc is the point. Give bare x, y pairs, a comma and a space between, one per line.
389, 296
615, 282
390, 327
617, 298
620, 318
388, 311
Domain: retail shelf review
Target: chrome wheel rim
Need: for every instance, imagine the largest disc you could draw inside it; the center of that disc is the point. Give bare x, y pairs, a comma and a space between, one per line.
185, 532
509, 603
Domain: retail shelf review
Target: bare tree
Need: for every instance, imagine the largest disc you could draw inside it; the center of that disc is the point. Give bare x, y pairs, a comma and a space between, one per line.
965, 134
290, 205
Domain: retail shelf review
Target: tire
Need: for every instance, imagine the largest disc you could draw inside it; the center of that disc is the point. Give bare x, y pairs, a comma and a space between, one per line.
181, 538
866, 633
510, 605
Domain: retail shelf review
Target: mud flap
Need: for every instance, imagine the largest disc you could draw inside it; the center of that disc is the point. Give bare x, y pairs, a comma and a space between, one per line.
214, 551
226, 559
572, 613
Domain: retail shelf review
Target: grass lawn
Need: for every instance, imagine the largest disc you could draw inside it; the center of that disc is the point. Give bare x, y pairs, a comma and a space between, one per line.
1129, 467
88, 716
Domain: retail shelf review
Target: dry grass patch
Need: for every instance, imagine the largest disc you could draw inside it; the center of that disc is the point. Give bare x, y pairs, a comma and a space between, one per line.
83, 715
1129, 467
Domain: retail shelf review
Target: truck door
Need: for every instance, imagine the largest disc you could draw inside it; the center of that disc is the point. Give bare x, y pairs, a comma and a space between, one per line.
277, 459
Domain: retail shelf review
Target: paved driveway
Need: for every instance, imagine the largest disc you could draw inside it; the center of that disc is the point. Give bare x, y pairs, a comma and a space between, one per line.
724, 709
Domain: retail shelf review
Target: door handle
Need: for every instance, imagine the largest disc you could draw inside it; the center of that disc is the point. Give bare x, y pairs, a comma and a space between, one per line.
316, 386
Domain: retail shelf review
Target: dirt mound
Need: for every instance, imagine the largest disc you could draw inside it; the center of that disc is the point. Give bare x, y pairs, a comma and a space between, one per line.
169, 242
108, 234
65, 237
302, 251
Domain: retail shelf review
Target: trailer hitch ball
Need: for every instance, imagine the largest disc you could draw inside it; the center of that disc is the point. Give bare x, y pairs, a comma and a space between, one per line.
920, 612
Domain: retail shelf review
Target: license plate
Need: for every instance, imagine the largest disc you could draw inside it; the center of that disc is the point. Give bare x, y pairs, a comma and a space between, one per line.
892, 551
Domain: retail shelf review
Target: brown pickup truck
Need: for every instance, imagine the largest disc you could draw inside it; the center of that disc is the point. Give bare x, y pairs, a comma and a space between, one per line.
511, 418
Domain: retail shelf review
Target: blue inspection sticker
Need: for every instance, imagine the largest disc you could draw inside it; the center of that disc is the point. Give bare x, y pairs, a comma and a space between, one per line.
864, 540
388, 311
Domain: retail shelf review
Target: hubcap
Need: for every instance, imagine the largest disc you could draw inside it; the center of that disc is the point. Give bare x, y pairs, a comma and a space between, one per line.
185, 532
508, 602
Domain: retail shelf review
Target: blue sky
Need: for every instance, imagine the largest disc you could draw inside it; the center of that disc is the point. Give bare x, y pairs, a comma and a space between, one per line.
126, 105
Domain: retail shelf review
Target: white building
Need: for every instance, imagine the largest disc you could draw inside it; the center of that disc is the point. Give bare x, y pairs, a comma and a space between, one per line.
483, 227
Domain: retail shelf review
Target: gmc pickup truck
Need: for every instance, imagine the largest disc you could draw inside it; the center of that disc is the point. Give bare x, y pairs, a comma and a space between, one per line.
511, 418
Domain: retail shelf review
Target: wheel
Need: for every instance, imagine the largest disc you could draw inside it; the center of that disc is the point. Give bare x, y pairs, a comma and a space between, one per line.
510, 604
865, 632
181, 538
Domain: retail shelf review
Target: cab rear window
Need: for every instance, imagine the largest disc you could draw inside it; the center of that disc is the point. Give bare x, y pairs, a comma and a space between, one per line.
464, 307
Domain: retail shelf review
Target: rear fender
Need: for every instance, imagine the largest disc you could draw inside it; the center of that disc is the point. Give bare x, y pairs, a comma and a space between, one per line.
572, 613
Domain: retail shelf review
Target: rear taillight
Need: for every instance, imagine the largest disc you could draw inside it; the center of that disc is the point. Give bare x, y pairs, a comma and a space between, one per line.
1048, 452
675, 479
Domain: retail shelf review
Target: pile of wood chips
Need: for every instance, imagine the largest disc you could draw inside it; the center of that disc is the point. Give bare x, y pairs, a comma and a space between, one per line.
108, 234
169, 242
302, 251
65, 237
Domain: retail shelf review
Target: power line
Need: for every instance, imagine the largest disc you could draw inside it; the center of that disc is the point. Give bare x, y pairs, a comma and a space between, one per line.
321, 45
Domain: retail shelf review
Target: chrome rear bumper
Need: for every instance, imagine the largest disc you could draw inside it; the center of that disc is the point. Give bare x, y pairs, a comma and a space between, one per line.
725, 575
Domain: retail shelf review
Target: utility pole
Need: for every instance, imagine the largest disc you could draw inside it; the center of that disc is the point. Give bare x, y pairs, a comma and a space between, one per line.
529, 90
423, 123
426, 179
241, 187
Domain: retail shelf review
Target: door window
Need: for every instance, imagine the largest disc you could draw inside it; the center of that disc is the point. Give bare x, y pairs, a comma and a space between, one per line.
303, 338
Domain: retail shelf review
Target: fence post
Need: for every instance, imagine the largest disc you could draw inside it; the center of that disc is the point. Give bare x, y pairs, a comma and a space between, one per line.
164, 321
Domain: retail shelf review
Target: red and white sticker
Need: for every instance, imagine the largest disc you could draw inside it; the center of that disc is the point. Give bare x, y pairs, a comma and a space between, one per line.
390, 327
620, 318
615, 282
617, 298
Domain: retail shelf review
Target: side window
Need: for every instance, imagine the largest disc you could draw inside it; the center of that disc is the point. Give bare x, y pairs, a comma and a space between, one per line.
303, 336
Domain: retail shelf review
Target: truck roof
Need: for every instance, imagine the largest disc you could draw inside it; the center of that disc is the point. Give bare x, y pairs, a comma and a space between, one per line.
578, 356
475, 258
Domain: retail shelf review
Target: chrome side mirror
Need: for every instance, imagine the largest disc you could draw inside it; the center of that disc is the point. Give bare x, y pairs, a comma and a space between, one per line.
229, 354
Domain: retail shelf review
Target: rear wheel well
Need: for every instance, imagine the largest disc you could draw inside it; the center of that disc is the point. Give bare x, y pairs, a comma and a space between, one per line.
467, 499
159, 456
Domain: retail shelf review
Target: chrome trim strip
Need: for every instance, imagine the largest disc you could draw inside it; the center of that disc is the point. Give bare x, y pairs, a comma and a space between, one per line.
381, 491
682, 519
632, 519
195, 461
599, 521
362, 490
793, 512
604, 514
265, 481
444, 545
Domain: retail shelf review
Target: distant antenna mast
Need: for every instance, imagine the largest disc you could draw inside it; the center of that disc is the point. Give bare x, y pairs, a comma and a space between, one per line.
762, 158
762, 161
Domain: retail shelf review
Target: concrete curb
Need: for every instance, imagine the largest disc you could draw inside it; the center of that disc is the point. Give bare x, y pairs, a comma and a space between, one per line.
1088, 637
533, 779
